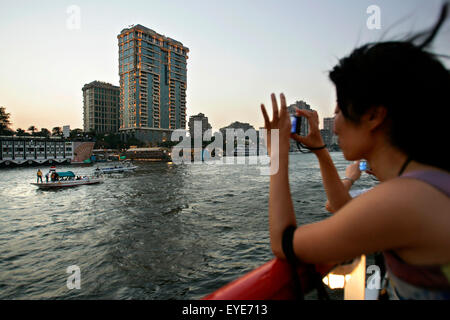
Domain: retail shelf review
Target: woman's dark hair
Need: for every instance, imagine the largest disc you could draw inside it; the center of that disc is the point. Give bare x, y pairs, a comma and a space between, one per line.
413, 86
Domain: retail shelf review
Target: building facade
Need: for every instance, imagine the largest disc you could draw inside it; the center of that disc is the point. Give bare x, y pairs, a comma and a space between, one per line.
153, 82
101, 107
200, 118
328, 125
41, 150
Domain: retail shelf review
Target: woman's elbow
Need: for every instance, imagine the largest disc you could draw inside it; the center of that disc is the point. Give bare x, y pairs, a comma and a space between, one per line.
277, 251
328, 207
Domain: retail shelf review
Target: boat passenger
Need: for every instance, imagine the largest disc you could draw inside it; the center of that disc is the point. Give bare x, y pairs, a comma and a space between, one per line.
384, 91
39, 176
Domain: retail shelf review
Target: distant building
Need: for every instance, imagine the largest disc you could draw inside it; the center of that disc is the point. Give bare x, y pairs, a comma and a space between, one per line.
100, 107
153, 77
328, 125
249, 141
304, 129
236, 125
326, 136
42, 150
66, 131
201, 118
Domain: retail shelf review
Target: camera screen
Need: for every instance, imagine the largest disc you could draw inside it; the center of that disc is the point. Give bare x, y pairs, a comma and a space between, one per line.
293, 124
363, 165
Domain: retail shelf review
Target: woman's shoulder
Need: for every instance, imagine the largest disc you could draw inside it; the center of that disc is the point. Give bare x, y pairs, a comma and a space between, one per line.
399, 201
423, 180
412, 203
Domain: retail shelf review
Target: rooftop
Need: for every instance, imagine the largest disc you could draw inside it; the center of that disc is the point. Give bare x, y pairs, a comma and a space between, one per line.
152, 32
100, 84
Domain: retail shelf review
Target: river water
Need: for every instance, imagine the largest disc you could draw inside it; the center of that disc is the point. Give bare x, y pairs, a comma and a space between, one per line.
165, 231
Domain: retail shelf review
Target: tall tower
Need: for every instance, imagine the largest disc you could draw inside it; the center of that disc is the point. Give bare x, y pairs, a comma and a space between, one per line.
153, 77
100, 107
328, 125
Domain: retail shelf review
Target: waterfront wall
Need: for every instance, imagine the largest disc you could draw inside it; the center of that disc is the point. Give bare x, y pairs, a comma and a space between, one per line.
41, 150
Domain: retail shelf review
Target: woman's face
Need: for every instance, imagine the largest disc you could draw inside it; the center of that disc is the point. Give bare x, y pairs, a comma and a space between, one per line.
353, 138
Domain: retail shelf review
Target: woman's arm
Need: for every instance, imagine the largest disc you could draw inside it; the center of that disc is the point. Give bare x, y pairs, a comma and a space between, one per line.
281, 209
347, 185
385, 218
352, 174
381, 219
335, 188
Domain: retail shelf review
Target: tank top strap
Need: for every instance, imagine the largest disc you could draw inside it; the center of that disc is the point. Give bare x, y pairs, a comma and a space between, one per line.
438, 179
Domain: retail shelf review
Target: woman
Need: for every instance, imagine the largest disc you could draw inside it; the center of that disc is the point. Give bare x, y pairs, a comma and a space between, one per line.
383, 92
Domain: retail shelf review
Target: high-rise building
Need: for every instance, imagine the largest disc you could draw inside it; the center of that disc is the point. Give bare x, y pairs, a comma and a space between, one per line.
200, 118
328, 125
326, 136
101, 107
153, 72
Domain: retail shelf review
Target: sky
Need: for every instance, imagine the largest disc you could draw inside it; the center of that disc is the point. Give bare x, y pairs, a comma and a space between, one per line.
240, 51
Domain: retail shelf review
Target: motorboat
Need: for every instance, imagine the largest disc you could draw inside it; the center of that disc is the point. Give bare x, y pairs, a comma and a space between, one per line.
116, 169
66, 179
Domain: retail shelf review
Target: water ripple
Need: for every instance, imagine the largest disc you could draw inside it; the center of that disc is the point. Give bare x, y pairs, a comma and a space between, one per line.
163, 232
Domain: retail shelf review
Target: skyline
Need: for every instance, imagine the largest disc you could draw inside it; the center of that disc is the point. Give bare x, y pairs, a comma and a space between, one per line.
240, 52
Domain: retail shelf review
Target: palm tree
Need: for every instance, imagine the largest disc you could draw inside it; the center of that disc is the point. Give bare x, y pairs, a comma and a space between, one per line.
32, 129
75, 133
20, 132
44, 132
56, 131
4, 120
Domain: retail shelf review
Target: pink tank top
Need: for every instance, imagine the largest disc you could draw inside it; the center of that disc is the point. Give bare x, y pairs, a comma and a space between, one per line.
435, 278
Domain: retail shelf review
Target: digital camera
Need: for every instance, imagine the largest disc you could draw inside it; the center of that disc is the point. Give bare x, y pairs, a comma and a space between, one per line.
363, 166
296, 123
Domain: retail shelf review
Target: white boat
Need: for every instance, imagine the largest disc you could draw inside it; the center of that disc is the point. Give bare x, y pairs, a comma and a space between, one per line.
116, 169
67, 179
245, 151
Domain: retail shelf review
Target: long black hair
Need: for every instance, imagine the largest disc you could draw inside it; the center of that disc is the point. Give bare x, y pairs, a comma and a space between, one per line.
411, 83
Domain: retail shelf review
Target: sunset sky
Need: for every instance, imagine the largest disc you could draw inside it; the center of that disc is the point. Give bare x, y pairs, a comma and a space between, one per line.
240, 51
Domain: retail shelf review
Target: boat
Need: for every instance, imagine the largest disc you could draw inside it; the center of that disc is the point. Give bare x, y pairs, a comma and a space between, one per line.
245, 151
116, 169
67, 179
159, 154
274, 281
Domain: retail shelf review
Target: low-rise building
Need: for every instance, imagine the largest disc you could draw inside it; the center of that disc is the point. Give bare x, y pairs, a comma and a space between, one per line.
40, 150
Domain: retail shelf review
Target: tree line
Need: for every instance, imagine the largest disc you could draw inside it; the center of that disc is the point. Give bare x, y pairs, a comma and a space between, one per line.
5, 130
102, 140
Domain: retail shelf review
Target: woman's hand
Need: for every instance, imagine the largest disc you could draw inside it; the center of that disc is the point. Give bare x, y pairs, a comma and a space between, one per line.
353, 171
280, 121
314, 138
